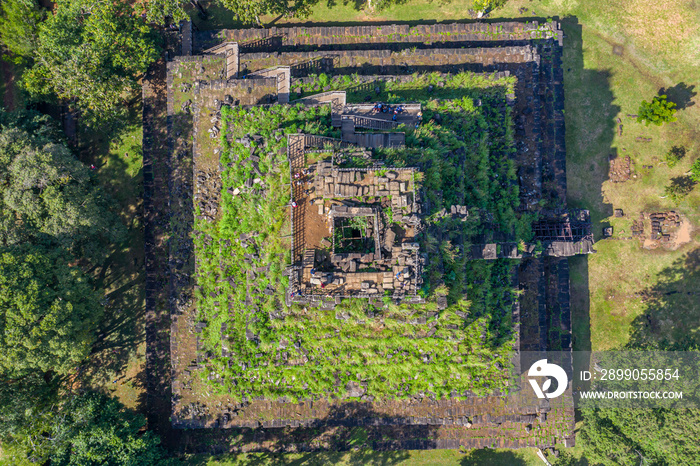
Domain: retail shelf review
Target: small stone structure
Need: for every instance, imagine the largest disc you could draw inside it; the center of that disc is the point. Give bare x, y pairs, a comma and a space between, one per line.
386, 201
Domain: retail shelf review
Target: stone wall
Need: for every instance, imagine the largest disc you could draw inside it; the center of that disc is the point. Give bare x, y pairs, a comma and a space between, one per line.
383, 34
386, 61
475, 421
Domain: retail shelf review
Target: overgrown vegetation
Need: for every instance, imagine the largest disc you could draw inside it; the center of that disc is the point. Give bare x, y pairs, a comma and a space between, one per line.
391, 350
352, 235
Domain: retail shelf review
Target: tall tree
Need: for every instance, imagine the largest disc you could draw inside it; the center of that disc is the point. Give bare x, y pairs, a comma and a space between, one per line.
641, 436
92, 53
246, 11
48, 196
80, 429
94, 429
250, 11
19, 23
26, 407
51, 211
48, 312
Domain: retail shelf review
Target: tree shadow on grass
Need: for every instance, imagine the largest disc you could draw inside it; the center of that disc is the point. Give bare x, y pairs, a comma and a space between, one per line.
122, 329
590, 128
590, 131
681, 94
119, 335
121, 274
671, 320
487, 457
680, 187
348, 434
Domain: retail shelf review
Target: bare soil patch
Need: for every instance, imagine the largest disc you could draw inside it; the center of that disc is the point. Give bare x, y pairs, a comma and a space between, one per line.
316, 226
620, 169
683, 233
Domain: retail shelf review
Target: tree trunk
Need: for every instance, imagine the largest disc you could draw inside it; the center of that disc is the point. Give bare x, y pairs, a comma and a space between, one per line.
200, 8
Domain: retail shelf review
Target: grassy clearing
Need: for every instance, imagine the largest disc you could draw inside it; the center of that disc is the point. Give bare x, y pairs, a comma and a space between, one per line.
118, 364
413, 11
623, 273
343, 12
602, 86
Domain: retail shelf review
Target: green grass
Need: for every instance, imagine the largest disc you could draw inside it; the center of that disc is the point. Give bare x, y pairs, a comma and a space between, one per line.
490, 457
600, 88
622, 271
345, 12
420, 10
121, 354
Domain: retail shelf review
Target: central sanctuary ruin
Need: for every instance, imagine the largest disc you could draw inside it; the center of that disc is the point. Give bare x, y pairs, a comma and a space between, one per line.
369, 234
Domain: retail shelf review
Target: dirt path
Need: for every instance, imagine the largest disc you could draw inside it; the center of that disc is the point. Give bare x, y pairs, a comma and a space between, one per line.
684, 233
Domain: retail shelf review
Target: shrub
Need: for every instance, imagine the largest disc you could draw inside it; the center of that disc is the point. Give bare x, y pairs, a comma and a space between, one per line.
658, 111
679, 188
488, 5
674, 155
323, 80
695, 171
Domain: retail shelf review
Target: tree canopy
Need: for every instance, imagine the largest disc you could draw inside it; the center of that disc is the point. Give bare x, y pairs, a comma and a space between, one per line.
19, 22
48, 312
159, 11
695, 171
95, 429
80, 429
641, 436
675, 155
250, 11
22, 404
55, 221
246, 11
92, 53
47, 196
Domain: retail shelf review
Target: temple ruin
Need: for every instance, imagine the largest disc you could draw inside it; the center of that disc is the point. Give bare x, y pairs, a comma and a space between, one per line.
355, 231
